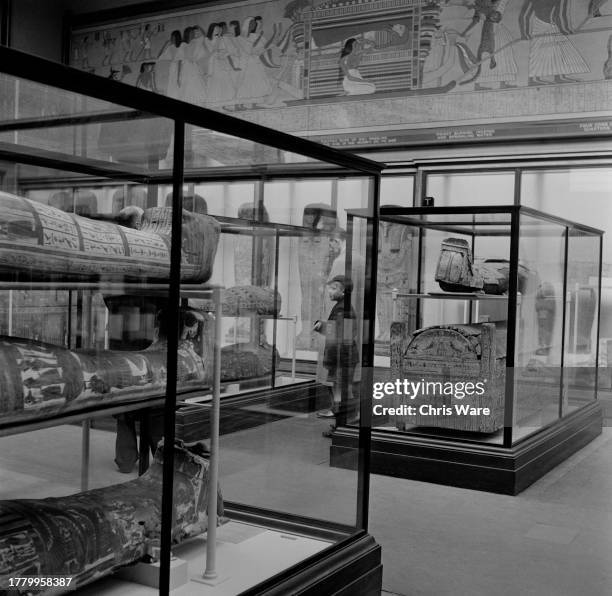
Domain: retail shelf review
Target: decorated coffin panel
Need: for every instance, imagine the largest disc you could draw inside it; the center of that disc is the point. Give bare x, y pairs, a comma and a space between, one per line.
461, 371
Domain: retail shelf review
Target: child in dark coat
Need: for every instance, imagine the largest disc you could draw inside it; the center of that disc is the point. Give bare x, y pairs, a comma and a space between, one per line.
340, 355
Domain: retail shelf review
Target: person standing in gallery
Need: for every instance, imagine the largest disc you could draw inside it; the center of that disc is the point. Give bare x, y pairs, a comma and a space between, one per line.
551, 53
350, 58
356, 274
340, 355
337, 250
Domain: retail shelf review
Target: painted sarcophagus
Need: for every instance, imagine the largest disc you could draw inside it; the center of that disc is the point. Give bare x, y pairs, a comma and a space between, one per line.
243, 361
40, 242
461, 370
91, 534
40, 379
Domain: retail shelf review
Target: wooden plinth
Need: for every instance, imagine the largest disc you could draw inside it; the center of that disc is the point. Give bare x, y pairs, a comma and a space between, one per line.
471, 465
353, 569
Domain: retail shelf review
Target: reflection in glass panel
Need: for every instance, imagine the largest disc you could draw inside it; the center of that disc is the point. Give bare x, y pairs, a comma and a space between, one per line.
581, 320
308, 202
261, 466
539, 325
469, 189
397, 271
397, 190
281, 242
581, 195
28, 99
55, 124
233, 199
208, 148
100, 202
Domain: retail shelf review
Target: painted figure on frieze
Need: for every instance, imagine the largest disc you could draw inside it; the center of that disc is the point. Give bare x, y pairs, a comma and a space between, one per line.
553, 58
223, 64
268, 50
172, 53
496, 64
350, 57
146, 78
284, 56
193, 89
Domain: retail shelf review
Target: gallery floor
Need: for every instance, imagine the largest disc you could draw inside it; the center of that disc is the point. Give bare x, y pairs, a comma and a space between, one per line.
553, 539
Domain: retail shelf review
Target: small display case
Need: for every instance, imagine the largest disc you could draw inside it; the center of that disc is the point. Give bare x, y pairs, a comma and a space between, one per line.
492, 375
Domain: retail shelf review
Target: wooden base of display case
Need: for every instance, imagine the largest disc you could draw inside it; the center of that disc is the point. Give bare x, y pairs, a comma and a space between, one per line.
485, 467
353, 569
301, 399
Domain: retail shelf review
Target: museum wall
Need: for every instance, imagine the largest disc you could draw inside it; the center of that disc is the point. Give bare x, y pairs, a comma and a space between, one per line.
37, 27
82, 6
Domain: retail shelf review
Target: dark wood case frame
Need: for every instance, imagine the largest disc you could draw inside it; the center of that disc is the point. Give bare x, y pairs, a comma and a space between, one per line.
490, 468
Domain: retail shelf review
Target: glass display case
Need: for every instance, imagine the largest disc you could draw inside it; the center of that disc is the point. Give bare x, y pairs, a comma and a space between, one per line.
493, 347
155, 258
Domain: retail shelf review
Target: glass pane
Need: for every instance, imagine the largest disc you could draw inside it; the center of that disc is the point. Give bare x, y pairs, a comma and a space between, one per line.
469, 189
396, 260
59, 126
582, 302
467, 221
208, 148
259, 464
448, 332
282, 244
581, 195
539, 325
310, 203
397, 190
31, 100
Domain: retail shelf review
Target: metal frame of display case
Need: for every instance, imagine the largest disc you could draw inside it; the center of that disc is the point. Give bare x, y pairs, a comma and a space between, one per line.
514, 464
356, 558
